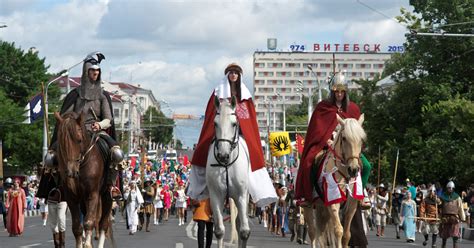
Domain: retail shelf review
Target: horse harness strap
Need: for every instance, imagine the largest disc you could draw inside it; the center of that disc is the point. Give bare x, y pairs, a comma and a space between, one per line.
94, 139
233, 144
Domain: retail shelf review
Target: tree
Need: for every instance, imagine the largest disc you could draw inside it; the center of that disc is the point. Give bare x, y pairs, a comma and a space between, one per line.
21, 74
160, 127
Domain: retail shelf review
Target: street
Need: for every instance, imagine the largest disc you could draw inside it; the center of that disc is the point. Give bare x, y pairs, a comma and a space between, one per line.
171, 235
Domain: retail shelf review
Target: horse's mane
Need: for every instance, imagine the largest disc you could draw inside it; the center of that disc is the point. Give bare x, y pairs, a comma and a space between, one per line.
65, 134
353, 130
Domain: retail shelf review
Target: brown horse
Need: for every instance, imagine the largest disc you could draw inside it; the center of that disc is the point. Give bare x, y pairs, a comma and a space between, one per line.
82, 167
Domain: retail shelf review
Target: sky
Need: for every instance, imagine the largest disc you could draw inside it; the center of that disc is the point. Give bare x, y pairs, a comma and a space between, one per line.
179, 48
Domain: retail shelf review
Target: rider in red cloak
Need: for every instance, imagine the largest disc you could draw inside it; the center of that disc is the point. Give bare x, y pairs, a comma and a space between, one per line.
323, 123
232, 86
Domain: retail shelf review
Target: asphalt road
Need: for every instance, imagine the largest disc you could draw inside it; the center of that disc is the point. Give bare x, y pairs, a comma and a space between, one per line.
171, 235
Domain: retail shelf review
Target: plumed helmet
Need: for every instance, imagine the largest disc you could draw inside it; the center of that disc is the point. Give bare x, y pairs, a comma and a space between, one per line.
337, 82
233, 67
93, 59
450, 185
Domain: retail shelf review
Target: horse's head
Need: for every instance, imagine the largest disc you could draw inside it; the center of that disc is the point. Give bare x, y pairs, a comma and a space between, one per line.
71, 137
226, 128
349, 141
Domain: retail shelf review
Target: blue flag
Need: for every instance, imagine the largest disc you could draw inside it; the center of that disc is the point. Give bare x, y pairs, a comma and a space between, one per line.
34, 109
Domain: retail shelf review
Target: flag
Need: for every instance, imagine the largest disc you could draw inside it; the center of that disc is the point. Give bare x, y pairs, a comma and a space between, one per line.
280, 143
34, 109
299, 143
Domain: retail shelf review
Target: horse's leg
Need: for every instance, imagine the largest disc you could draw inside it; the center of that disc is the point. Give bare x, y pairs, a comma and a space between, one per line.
308, 214
104, 224
76, 222
349, 211
219, 229
322, 218
233, 223
244, 228
338, 231
91, 217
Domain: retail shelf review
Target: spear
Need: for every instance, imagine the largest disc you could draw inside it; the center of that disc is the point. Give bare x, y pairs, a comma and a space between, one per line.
393, 185
378, 170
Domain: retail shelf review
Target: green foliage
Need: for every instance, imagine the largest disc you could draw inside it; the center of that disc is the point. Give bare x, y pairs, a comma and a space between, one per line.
160, 127
21, 74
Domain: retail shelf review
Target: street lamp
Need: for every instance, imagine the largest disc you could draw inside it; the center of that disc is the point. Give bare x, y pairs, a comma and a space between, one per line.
284, 110
310, 98
166, 103
310, 68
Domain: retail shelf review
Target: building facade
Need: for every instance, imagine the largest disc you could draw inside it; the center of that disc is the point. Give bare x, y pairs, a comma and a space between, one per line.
281, 78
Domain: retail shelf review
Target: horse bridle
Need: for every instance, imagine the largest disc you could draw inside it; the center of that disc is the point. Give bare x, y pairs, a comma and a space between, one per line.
343, 161
80, 161
234, 143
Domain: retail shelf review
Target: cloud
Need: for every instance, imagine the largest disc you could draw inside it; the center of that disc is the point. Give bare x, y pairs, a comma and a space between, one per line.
179, 48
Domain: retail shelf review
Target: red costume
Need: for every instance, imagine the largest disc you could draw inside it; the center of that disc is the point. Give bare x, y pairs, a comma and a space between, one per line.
248, 124
320, 128
16, 204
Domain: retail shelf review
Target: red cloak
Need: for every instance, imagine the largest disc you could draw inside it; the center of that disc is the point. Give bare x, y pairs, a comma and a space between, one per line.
320, 128
249, 129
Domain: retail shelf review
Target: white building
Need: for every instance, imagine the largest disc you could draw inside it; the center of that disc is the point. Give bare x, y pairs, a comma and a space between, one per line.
281, 77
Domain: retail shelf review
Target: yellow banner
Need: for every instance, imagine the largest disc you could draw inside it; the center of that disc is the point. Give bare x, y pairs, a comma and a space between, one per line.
280, 143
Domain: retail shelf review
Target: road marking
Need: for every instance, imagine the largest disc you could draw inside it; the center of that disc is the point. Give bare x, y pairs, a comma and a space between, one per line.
32, 245
179, 245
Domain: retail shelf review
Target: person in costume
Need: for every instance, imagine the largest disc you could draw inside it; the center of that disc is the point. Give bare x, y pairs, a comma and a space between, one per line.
95, 103
397, 200
148, 196
16, 207
167, 198
429, 210
381, 200
180, 204
57, 207
451, 215
320, 131
158, 202
203, 216
133, 200
408, 214
260, 184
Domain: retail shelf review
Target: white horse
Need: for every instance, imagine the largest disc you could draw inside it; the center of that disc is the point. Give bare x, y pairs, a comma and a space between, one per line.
324, 223
227, 170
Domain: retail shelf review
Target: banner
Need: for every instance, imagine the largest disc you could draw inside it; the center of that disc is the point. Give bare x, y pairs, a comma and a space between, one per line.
280, 143
299, 143
34, 109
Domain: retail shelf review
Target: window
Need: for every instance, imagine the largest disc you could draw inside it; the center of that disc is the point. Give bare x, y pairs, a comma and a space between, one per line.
259, 65
313, 65
275, 65
293, 65
283, 74
290, 82
265, 74
299, 73
116, 113
327, 65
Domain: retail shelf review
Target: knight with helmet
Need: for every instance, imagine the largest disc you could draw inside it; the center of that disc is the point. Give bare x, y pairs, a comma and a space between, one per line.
95, 104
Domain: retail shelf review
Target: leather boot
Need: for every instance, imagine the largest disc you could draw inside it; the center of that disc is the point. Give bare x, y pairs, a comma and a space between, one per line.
56, 240
433, 240
62, 239
444, 243
455, 242
147, 224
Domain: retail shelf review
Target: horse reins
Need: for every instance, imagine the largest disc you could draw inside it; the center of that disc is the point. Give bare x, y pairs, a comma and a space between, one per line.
341, 159
234, 143
92, 143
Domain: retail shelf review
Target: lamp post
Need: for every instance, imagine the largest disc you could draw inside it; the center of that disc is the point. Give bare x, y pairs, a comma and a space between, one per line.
310, 68
166, 103
45, 119
284, 111
310, 99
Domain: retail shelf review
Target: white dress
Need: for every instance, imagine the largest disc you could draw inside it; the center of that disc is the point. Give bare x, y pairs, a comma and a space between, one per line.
134, 199
158, 201
181, 199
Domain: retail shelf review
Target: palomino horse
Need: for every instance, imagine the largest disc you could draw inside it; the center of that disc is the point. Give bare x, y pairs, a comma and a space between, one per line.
344, 164
227, 172
82, 167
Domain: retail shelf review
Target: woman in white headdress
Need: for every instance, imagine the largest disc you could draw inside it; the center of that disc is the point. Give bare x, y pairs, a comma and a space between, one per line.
133, 201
